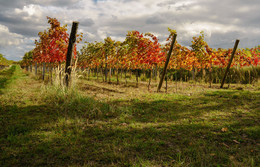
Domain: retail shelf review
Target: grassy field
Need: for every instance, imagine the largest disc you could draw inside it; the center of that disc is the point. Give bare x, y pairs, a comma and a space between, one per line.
99, 124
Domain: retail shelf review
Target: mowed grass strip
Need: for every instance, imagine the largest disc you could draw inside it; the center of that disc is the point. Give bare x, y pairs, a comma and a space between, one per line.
51, 126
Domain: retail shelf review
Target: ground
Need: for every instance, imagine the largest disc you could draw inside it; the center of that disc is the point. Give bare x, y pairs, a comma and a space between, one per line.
100, 124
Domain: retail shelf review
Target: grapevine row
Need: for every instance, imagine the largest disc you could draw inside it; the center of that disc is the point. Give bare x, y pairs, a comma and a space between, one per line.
137, 51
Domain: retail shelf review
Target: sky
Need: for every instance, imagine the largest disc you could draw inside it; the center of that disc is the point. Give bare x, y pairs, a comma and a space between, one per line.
223, 21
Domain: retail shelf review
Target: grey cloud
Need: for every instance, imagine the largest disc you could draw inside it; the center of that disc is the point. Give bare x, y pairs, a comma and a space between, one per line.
155, 20
87, 22
166, 3
225, 13
182, 7
25, 30
21, 3
7, 4
29, 27
62, 3
160, 22
227, 40
170, 4
231, 13
228, 10
11, 19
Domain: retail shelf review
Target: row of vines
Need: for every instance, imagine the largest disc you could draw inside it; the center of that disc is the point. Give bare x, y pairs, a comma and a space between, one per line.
139, 52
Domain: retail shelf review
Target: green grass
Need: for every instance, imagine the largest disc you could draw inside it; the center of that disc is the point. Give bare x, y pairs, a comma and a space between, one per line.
123, 126
5, 76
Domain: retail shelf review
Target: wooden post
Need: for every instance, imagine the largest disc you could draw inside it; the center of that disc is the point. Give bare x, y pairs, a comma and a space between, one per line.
193, 73
48, 71
35, 68
125, 77
166, 63
229, 64
43, 70
136, 75
117, 76
51, 71
150, 78
156, 72
59, 69
176, 80
72, 40
102, 74
97, 72
110, 74
210, 75
166, 82
31, 67
106, 70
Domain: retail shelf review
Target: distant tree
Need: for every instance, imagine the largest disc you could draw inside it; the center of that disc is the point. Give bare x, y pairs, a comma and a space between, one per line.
4, 61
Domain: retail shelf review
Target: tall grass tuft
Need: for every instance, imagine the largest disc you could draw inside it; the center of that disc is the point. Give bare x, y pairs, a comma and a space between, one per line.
70, 102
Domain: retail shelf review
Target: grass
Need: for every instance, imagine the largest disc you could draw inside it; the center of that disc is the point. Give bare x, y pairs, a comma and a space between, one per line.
5, 76
98, 124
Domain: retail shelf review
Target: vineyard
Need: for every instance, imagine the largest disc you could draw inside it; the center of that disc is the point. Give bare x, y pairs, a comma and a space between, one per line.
141, 53
101, 105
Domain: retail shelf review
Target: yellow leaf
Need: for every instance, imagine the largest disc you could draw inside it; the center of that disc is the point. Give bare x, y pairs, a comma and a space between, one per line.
224, 129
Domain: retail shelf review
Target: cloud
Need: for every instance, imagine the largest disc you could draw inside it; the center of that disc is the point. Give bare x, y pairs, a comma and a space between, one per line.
10, 38
20, 3
9, 42
156, 19
86, 22
222, 22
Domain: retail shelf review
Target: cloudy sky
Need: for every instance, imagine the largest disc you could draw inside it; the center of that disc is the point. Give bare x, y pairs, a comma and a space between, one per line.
223, 21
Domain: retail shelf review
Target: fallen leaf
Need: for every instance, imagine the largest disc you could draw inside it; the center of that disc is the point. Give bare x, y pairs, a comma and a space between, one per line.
236, 141
224, 129
124, 124
225, 145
